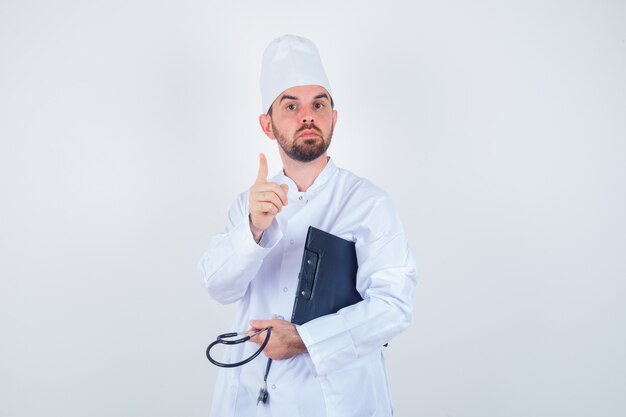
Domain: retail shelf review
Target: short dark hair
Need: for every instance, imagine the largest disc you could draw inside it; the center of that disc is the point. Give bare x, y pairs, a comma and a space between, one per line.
269, 111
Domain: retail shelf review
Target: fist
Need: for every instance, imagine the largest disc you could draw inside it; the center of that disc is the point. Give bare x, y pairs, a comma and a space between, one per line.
266, 200
285, 340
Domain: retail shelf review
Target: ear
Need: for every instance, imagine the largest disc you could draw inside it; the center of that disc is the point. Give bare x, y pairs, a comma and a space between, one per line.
334, 118
265, 120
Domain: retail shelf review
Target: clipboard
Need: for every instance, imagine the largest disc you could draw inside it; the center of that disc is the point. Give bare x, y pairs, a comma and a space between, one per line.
327, 278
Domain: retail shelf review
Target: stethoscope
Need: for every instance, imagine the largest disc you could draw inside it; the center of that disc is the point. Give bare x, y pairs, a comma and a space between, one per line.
226, 339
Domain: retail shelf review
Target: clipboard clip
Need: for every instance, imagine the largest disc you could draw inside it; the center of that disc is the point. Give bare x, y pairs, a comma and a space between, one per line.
307, 274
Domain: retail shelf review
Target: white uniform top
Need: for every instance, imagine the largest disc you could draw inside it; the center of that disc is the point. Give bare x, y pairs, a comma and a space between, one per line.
343, 373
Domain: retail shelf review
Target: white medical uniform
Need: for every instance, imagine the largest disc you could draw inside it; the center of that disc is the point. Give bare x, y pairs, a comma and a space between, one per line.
343, 374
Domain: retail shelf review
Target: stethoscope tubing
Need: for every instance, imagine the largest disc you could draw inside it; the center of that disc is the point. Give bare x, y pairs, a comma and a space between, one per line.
225, 339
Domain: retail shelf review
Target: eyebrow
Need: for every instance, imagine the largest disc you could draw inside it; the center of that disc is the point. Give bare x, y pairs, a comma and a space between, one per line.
323, 95
288, 97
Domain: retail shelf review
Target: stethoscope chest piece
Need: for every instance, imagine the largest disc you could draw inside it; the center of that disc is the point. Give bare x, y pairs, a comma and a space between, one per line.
263, 395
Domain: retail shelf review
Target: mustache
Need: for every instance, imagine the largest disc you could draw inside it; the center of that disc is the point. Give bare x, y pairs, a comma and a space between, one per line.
309, 126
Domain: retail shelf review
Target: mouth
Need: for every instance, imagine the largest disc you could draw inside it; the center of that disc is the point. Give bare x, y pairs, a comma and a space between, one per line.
309, 133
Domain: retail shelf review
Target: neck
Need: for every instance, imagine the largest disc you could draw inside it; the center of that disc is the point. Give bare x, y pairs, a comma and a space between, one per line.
304, 173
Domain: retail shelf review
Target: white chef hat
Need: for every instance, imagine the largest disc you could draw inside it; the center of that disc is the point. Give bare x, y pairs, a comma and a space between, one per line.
290, 61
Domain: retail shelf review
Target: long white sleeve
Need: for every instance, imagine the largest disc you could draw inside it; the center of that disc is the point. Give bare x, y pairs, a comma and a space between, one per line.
233, 258
386, 279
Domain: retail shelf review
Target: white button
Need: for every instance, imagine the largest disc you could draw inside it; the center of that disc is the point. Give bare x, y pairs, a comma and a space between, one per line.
291, 242
273, 386
300, 198
285, 289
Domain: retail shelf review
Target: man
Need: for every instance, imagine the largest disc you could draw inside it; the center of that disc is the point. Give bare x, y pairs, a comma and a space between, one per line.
333, 365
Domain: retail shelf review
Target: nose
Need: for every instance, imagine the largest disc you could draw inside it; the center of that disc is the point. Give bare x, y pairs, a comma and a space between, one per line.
307, 116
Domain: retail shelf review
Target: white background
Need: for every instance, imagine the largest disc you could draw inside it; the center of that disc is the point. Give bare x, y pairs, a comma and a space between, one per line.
127, 128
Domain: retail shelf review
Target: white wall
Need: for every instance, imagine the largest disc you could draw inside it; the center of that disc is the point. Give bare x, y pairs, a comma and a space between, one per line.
128, 127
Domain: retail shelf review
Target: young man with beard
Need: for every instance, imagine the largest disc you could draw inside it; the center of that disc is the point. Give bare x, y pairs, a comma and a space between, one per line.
332, 365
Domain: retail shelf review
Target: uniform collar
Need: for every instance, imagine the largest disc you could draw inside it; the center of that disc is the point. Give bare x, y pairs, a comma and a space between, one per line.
323, 177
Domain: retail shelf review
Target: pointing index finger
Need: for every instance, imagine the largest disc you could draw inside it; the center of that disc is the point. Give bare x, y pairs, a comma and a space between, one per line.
262, 175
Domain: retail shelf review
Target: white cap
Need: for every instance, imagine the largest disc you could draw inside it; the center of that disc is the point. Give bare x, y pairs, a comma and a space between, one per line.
290, 61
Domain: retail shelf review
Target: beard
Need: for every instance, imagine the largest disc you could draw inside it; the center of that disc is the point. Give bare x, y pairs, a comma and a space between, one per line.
304, 149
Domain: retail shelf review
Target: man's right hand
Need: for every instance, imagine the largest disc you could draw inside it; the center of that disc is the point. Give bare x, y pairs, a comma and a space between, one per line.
266, 200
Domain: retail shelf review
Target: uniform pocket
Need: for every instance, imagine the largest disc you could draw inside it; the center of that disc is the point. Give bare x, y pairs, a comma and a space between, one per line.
350, 391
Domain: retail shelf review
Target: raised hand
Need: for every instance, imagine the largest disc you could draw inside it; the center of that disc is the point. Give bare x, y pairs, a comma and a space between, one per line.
266, 200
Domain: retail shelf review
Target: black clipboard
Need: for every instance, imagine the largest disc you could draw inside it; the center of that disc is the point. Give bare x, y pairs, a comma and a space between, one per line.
327, 279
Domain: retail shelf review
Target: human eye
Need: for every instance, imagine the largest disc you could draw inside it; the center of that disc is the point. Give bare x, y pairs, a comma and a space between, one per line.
291, 106
318, 106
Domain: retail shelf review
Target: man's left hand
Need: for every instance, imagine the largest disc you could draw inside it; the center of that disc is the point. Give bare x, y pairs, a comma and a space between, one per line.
285, 341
